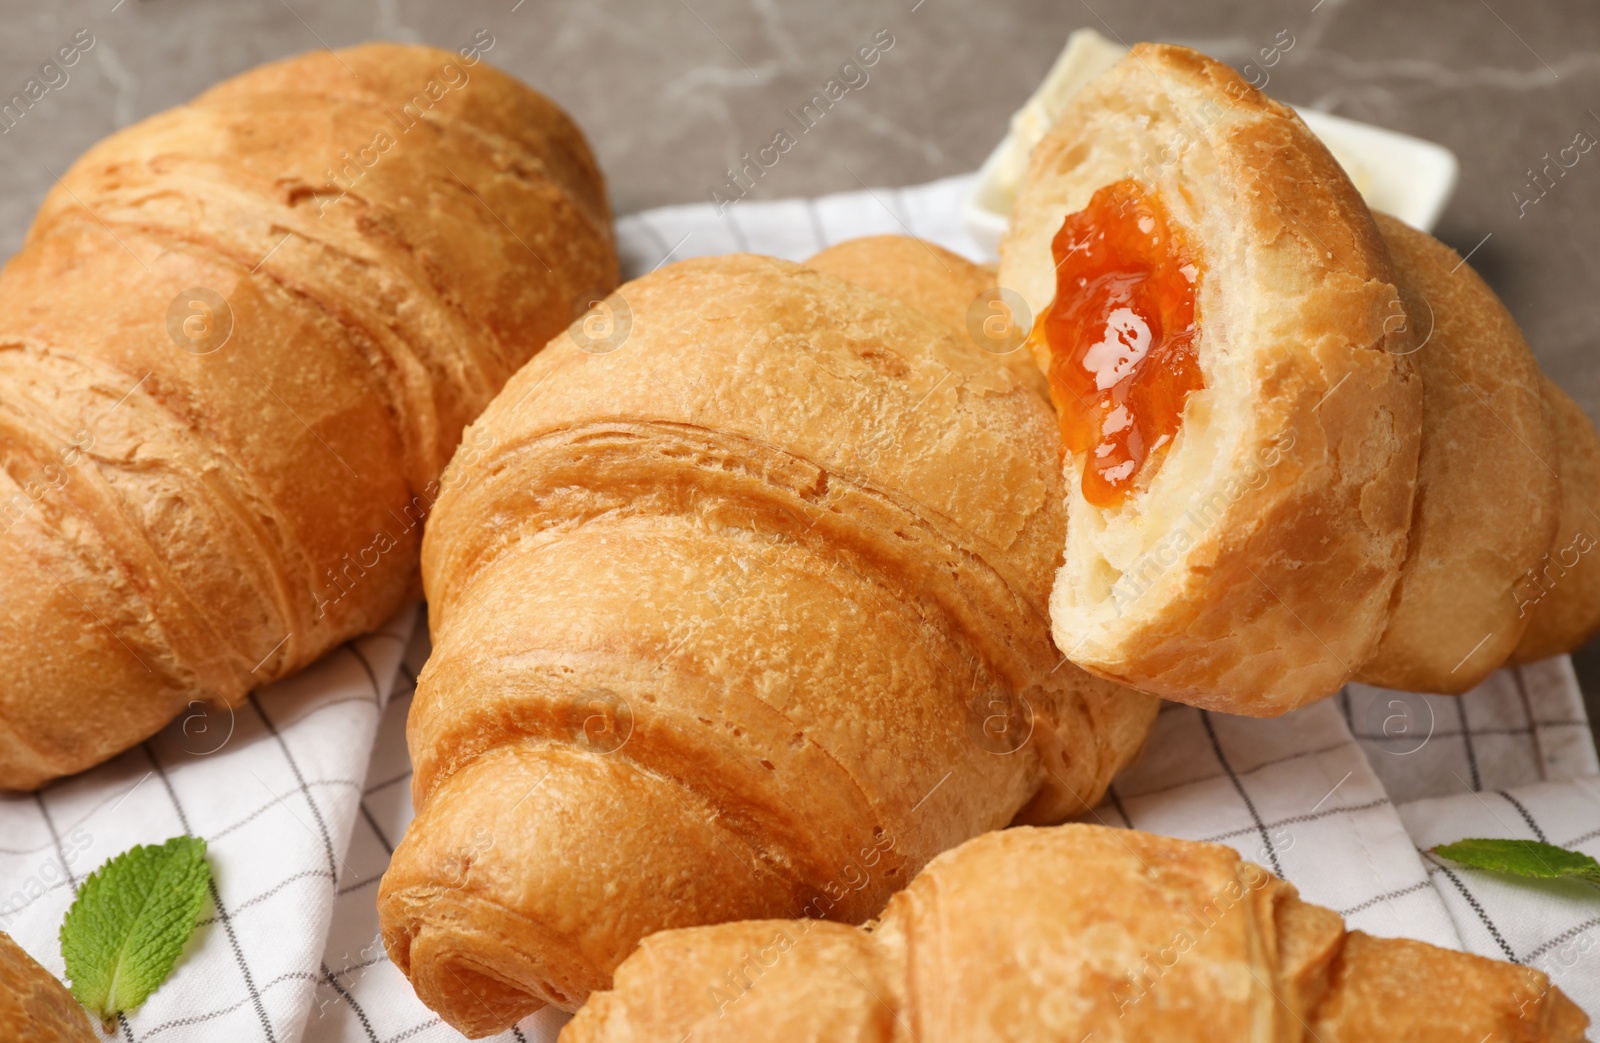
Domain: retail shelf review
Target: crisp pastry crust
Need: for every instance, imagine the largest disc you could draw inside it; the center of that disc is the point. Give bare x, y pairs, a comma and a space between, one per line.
183, 520
743, 616
1560, 594
1381, 988
1251, 568
1072, 933
1488, 497
34, 1006
942, 284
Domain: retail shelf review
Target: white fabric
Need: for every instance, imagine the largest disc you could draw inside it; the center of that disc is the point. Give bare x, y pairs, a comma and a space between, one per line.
1312, 795
1522, 726
274, 788
1551, 925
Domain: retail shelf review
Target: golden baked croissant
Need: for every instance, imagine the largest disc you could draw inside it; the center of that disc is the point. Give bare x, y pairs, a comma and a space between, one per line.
34, 1006
1073, 933
940, 284
1561, 594
1302, 447
742, 614
1489, 487
237, 350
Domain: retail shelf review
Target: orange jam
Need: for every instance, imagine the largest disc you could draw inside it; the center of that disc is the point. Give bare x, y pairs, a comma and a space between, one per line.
1121, 333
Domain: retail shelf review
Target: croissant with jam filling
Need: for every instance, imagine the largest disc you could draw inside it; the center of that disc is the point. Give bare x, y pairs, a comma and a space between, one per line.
1303, 445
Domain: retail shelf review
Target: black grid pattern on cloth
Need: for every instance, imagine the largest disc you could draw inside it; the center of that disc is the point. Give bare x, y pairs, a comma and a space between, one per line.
1523, 725
275, 726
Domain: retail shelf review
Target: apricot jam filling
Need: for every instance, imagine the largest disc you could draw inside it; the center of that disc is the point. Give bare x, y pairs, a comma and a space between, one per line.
1121, 334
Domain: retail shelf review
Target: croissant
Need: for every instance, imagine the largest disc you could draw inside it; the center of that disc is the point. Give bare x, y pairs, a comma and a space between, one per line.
1560, 596
34, 1006
1073, 933
1303, 445
942, 285
1488, 503
237, 349
742, 614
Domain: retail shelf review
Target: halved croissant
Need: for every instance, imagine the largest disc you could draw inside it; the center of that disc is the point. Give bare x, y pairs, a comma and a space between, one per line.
1073, 933
1356, 471
1489, 492
1560, 595
743, 614
237, 350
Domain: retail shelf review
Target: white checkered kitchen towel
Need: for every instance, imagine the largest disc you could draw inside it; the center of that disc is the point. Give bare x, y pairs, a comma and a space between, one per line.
1343, 797
274, 787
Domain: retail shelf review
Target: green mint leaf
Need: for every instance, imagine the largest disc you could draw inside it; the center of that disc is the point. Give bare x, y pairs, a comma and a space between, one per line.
1522, 858
130, 922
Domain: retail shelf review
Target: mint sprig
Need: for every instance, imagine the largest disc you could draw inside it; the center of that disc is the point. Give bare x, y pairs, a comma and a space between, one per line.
1528, 858
130, 922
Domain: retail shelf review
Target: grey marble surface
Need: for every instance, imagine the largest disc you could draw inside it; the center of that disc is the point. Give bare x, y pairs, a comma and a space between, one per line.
672, 92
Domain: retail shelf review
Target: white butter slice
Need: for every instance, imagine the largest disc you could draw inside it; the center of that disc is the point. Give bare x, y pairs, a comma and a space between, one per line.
1401, 175
1405, 176
1087, 55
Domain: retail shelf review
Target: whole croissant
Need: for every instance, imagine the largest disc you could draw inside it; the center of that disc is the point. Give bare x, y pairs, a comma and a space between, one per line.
237, 349
940, 284
1318, 449
1073, 933
742, 614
